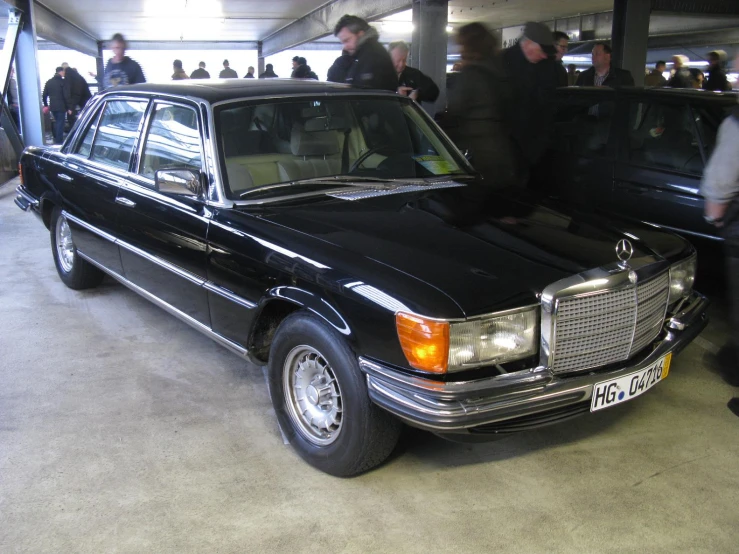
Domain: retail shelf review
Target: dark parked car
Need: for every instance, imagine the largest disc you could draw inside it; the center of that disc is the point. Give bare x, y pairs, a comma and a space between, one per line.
338, 236
636, 152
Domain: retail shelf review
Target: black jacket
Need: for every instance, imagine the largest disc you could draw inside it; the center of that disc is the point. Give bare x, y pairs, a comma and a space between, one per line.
616, 78
249, 76
303, 72
200, 73
57, 94
562, 77
427, 89
338, 71
477, 119
127, 72
372, 67
716, 80
79, 90
228, 73
681, 79
268, 75
532, 105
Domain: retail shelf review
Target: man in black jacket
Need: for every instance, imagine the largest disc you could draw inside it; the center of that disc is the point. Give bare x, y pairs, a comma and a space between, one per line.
411, 82
716, 74
561, 45
269, 72
56, 100
200, 72
372, 67
603, 74
79, 92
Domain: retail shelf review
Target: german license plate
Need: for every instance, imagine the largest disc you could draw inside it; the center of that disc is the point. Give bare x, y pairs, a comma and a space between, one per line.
616, 391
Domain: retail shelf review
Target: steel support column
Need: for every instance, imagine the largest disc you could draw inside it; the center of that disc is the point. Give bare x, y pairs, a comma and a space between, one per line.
432, 48
27, 75
414, 58
629, 36
260, 59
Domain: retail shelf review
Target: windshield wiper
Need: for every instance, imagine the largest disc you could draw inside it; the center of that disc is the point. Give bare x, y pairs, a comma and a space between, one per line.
341, 180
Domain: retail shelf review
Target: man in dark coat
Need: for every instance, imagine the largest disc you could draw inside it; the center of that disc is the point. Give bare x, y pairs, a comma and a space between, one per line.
57, 101
603, 74
411, 82
200, 72
372, 67
561, 45
716, 74
120, 69
655, 77
249, 73
269, 72
531, 72
681, 77
302, 70
79, 92
227, 72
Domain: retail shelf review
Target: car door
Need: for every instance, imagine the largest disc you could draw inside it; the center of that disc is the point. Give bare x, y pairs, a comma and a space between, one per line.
89, 177
660, 165
579, 165
162, 236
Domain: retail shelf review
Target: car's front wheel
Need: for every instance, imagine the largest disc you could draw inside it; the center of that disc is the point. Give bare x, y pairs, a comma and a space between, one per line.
75, 272
321, 400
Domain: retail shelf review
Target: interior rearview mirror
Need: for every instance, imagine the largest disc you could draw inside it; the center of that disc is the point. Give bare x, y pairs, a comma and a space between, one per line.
178, 181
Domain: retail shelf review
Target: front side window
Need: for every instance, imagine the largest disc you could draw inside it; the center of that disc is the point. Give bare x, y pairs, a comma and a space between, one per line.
664, 136
173, 140
84, 147
117, 132
283, 142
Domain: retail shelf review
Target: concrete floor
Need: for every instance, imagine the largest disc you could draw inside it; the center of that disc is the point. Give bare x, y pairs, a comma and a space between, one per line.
123, 430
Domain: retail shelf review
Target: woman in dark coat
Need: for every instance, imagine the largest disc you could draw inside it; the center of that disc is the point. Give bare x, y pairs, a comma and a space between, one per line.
477, 108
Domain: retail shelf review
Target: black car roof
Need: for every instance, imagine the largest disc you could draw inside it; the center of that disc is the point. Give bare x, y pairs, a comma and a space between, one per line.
688, 93
217, 90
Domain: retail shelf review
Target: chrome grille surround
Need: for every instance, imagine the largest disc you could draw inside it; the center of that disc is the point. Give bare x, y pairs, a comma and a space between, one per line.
603, 316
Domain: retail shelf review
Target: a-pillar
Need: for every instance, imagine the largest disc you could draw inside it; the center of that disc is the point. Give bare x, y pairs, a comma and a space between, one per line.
429, 48
629, 36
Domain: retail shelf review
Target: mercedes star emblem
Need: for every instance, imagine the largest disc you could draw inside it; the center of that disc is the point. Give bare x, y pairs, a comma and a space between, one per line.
624, 250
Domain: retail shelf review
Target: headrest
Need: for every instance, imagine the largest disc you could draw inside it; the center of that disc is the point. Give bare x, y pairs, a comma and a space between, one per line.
317, 143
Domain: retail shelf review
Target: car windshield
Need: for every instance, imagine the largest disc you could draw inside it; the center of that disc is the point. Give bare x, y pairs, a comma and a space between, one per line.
294, 140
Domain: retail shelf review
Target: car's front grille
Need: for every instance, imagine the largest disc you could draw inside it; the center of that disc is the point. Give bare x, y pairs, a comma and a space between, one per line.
607, 327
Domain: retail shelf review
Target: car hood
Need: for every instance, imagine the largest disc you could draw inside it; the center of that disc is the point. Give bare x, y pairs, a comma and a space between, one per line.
487, 252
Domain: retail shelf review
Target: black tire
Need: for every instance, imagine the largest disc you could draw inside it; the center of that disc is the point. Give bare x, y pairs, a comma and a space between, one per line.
74, 272
366, 435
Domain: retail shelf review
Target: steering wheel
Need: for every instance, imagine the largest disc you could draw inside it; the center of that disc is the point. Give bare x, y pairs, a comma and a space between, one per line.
363, 157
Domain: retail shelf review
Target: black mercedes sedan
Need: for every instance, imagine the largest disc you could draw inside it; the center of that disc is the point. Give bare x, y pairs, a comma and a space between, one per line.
337, 236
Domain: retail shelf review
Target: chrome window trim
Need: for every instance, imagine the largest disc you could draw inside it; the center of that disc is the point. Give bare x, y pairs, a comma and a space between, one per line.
611, 278
234, 347
187, 275
97, 111
136, 139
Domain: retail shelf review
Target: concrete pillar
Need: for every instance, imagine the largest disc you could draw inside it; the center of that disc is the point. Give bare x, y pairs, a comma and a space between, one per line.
260, 59
433, 18
27, 76
100, 66
413, 59
629, 36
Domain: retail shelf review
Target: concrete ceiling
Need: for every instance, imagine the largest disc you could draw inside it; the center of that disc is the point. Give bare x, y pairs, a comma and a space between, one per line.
251, 20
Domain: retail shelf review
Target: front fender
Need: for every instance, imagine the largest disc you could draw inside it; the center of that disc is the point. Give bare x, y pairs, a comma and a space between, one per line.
313, 302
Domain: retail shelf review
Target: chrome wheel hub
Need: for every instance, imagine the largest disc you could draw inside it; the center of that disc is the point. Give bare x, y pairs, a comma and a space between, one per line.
64, 244
312, 395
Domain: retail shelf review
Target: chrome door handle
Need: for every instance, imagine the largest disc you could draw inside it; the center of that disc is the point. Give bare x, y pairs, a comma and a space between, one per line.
125, 202
64, 177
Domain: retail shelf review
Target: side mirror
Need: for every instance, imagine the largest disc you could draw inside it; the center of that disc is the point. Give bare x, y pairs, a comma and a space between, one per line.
178, 181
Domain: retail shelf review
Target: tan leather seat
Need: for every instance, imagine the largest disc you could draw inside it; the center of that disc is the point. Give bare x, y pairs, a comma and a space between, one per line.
315, 154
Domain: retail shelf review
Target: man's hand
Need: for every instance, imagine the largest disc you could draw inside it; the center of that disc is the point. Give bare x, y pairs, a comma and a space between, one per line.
413, 95
69, 112
714, 212
46, 109
405, 91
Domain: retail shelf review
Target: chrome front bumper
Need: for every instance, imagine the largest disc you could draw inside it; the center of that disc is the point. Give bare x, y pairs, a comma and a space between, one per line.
520, 400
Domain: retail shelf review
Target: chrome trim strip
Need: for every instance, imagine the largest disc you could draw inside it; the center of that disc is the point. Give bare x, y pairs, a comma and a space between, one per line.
241, 351
32, 202
89, 227
228, 295
131, 248
189, 276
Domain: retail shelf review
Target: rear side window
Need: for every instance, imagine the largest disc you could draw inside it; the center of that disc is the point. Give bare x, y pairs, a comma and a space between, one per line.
173, 140
117, 132
583, 125
664, 136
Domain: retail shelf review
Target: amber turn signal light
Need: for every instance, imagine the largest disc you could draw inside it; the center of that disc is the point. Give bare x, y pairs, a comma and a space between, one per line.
20, 172
425, 342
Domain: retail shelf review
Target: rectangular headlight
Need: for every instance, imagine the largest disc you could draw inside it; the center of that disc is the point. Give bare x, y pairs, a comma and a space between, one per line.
682, 277
494, 339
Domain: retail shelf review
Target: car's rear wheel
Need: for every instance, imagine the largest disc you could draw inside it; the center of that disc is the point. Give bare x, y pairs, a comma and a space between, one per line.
321, 400
74, 272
